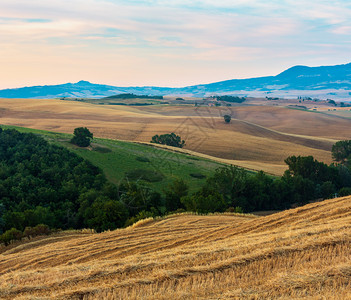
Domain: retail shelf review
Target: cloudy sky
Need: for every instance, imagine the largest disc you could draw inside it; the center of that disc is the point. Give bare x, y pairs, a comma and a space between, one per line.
167, 42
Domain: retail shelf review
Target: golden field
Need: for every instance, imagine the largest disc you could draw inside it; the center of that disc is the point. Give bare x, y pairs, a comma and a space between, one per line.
258, 137
298, 253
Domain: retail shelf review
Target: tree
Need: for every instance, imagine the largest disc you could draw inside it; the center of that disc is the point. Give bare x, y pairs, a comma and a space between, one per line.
107, 214
308, 167
227, 118
230, 182
82, 137
175, 191
205, 201
169, 140
328, 190
332, 102
341, 151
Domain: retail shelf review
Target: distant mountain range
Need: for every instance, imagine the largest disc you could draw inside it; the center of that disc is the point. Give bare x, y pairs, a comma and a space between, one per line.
333, 82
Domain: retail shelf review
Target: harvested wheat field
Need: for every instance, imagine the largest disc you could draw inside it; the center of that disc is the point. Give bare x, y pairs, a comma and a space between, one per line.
298, 253
258, 137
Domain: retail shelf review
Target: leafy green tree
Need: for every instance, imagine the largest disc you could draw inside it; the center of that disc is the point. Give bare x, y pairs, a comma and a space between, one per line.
345, 191
82, 137
332, 102
341, 151
259, 192
205, 201
227, 118
137, 197
308, 167
230, 182
169, 140
328, 190
45, 183
175, 191
107, 214
305, 189
14, 219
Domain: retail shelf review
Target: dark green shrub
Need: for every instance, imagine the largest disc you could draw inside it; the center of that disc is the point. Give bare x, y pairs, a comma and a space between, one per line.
40, 229
140, 216
10, 235
142, 174
142, 159
345, 191
102, 149
169, 140
197, 175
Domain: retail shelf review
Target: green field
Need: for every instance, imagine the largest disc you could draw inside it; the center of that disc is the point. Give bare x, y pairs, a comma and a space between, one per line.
152, 166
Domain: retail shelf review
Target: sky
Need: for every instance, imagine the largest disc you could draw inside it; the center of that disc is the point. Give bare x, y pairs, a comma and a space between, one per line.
167, 43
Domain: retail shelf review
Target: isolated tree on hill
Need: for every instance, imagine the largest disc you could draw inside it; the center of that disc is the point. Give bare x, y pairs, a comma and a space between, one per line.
227, 118
341, 151
169, 140
82, 137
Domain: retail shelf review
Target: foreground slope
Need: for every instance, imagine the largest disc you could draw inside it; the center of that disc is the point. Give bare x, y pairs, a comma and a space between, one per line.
299, 253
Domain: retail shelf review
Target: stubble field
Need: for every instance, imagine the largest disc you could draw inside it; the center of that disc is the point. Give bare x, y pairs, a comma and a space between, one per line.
299, 253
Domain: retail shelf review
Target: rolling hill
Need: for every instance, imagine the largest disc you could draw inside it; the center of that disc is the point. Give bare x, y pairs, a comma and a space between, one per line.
298, 253
118, 159
321, 82
258, 137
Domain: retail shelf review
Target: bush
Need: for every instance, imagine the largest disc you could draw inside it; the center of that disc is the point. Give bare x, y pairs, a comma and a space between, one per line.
102, 149
197, 175
142, 159
142, 174
10, 235
140, 216
237, 209
40, 229
169, 140
345, 191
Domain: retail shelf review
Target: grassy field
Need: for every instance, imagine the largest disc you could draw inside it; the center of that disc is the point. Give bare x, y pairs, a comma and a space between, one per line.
118, 158
302, 253
258, 137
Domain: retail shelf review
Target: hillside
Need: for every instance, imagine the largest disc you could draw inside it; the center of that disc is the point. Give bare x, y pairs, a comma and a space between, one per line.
258, 137
321, 82
298, 253
118, 159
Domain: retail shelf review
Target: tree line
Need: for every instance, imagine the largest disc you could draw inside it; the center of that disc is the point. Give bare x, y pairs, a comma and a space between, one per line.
42, 183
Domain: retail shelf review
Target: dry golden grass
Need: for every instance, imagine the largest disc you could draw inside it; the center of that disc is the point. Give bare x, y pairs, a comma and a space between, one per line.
299, 253
259, 137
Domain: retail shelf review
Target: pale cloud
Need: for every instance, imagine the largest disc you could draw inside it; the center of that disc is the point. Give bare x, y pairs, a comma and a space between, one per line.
344, 30
160, 35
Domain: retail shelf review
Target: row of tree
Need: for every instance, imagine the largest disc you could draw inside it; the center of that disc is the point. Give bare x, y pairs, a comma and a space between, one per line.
41, 183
